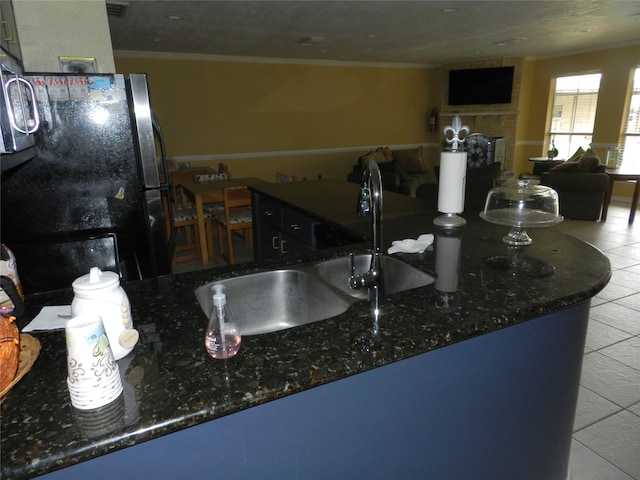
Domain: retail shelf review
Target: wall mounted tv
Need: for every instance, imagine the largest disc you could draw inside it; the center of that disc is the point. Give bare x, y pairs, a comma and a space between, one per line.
480, 86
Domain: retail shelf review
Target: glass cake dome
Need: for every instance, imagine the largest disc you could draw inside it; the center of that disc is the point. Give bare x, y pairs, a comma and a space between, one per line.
521, 206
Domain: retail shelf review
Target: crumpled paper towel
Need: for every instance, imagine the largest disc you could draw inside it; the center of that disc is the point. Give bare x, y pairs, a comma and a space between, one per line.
410, 245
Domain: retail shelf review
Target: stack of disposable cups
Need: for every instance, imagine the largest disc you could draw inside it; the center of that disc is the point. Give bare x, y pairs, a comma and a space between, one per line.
94, 378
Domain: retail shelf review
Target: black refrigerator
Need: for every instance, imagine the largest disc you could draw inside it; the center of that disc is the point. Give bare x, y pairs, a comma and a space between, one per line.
96, 192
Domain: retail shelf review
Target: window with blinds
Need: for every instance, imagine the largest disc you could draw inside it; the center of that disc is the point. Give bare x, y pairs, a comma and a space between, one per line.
573, 113
630, 148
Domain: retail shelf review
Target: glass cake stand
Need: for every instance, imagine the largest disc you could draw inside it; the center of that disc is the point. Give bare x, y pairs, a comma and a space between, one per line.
520, 207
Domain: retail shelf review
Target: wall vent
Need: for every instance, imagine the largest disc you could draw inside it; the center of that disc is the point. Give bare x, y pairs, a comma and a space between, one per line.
117, 9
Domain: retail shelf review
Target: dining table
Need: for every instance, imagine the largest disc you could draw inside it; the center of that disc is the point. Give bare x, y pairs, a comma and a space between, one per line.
200, 193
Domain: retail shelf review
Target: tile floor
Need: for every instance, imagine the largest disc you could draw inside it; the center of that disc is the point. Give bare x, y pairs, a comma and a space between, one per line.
606, 440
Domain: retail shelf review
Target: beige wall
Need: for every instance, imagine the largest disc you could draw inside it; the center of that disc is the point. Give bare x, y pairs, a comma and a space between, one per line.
299, 119
310, 120
616, 66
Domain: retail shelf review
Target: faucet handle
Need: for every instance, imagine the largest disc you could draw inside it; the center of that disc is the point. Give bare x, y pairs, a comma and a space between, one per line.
356, 280
364, 201
352, 263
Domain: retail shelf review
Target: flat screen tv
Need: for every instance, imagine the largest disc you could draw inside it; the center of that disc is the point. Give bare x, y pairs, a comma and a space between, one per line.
480, 86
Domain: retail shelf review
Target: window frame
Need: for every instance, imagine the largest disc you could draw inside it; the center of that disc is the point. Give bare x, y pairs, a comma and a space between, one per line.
630, 159
579, 94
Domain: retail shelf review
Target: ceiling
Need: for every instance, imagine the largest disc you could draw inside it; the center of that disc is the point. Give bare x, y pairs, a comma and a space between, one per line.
407, 32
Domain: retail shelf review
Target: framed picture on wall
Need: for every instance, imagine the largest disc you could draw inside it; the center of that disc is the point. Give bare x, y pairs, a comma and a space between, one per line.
78, 65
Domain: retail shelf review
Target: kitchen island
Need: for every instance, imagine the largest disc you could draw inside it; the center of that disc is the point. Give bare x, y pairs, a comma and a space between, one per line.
473, 376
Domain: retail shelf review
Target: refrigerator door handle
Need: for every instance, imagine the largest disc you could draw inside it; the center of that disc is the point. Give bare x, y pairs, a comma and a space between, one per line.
144, 130
164, 173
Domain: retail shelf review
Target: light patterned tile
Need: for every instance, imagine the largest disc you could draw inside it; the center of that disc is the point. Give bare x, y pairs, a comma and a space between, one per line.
585, 464
632, 301
616, 439
600, 335
592, 408
597, 301
606, 241
614, 291
610, 379
627, 352
635, 269
626, 278
627, 251
618, 316
619, 262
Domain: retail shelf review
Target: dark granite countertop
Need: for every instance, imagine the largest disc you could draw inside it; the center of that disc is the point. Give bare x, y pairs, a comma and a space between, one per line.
336, 201
171, 383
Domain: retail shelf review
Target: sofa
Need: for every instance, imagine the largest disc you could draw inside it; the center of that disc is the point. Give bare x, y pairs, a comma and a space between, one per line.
402, 170
581, 184
480, 180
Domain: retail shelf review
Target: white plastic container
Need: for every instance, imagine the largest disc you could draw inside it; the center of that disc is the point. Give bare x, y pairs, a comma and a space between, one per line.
100, 293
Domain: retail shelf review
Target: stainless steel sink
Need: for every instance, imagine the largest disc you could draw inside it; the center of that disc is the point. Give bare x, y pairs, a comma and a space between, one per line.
266, 302
275, 300
397, 275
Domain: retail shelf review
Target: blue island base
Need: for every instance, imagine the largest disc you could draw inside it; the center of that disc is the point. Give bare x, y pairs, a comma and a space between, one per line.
497, 406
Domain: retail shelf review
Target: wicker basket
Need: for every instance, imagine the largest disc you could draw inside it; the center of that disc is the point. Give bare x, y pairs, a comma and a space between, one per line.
29, 351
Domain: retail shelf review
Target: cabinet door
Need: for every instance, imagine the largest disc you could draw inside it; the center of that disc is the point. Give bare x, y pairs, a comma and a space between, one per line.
267, 241
268, 210
8, 32
291, 244
298, 226
273, 243
279, 230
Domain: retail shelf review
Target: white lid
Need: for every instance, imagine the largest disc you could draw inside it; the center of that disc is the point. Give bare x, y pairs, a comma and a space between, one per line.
95, 280
219, 298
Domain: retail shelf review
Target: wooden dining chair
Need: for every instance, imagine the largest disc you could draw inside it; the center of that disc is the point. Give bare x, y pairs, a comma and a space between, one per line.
184, 175
212, 208
183, 211
236, 217
187, 217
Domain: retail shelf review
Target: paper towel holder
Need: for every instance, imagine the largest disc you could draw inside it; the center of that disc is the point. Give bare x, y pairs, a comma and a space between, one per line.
449, 220
458, 135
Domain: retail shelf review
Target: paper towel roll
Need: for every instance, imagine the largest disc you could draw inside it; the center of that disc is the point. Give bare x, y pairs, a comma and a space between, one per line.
447, 263
451, 184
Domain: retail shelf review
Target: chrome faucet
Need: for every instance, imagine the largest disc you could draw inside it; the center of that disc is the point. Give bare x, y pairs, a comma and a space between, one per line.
370, 203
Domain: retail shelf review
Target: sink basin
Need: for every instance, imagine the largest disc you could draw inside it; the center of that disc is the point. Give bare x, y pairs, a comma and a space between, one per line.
276, 300
271, 301
398, 276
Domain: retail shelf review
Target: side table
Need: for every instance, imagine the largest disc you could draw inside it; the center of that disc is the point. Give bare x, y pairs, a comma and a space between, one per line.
618, 176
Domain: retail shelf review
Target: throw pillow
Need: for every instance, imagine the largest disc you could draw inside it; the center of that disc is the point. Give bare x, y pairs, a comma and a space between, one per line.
410, 160
393, 167
566, 167
388, 167
376, 155
386, 151
577, 155
589, 162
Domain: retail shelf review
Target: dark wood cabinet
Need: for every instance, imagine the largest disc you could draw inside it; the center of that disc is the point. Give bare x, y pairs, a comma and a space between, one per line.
280, 229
